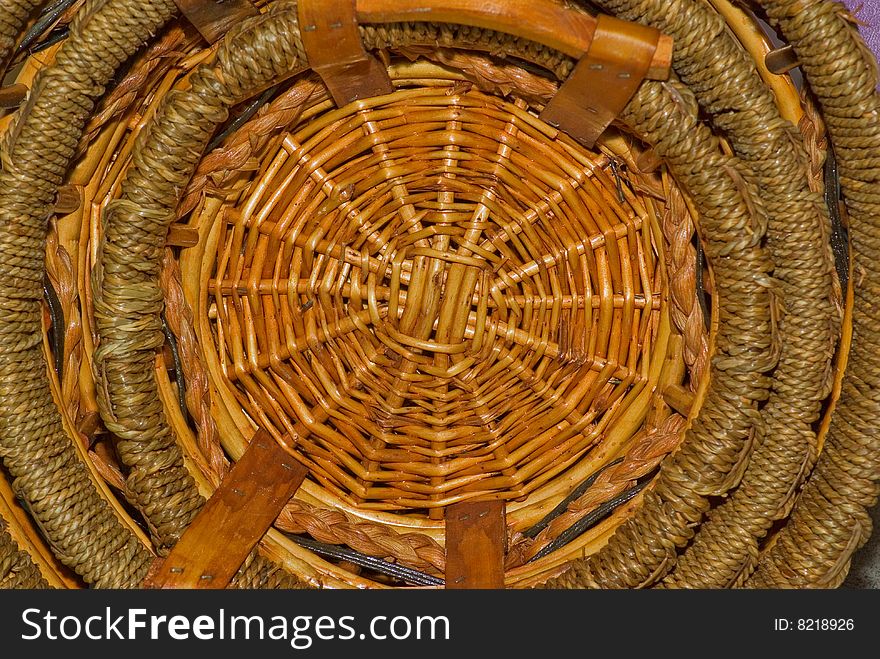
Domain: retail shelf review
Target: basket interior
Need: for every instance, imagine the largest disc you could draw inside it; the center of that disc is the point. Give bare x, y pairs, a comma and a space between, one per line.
430, 298
433, 297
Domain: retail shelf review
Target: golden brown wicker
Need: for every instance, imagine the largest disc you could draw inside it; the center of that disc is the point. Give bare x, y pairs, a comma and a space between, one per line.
433, 296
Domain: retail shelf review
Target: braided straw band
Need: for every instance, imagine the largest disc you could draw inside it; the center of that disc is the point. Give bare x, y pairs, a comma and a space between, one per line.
719, 441
78, 516
726, 84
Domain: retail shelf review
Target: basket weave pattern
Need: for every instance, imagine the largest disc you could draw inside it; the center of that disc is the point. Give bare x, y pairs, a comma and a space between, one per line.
433, 296
330, 278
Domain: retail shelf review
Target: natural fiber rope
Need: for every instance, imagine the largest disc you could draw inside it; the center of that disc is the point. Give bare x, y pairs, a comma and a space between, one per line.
830, 520
128, 300
13, 16
718, 443
727, 85
82, 528
17, 570
156, 60
408, 35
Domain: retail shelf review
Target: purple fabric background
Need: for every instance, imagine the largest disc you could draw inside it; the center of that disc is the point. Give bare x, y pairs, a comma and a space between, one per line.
870, 15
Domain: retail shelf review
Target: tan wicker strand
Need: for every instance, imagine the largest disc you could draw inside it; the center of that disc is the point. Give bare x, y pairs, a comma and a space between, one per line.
724, 79
70, 13
678, 224
415, 550
494, 76
830, 520
687, 312
817, 144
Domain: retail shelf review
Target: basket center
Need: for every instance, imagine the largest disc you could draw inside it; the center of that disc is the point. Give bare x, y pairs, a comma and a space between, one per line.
432, 298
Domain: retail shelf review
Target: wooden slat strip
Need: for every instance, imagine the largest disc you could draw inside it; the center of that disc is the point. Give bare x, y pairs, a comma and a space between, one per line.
180, 235
233, 520
476, 542
13, 96
679, 399
214, 18
619, 59
782, 60
330, 35
68, 199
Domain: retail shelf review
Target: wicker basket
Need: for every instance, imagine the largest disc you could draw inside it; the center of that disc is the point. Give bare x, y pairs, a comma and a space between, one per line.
433, 296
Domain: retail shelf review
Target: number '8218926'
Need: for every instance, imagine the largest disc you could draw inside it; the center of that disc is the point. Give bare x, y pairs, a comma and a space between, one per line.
813, 624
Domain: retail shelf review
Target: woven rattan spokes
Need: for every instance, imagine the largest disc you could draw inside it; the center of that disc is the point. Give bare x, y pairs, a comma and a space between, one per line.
433, 296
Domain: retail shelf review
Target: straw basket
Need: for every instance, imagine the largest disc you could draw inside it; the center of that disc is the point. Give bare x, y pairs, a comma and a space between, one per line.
653, 353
